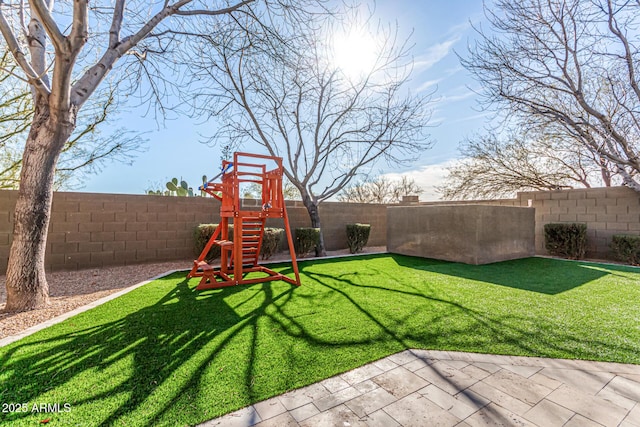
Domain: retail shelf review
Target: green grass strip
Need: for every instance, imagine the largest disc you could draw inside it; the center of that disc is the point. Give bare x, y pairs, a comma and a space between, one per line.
165, 354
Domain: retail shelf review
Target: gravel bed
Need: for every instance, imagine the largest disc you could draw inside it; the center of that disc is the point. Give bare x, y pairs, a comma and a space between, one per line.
69, 290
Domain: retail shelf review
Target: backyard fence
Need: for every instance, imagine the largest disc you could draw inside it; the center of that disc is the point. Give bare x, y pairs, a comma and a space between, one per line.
605, 211
96, 230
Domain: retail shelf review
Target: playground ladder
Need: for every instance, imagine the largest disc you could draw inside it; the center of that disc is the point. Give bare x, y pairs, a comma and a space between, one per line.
252, 235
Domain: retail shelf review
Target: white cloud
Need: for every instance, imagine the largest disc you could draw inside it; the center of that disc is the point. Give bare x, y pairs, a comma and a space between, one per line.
473, 117
459, 28
434, 54
427, 177
426, 85
460, 97
458, 94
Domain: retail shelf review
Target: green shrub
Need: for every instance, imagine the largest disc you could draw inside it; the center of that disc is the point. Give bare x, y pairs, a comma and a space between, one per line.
566, 240
357, 236
626, 248
271, 242
202, 234
307, 239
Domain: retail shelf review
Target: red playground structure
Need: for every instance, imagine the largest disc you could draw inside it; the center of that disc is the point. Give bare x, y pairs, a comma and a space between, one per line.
239, 256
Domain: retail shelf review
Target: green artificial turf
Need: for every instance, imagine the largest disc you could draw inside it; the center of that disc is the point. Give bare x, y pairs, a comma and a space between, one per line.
165, 354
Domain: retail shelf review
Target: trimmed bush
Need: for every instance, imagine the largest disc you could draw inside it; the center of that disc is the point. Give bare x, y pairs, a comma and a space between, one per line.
307, 239
271, 241
626, 248
357, 236
566, 240
202, 234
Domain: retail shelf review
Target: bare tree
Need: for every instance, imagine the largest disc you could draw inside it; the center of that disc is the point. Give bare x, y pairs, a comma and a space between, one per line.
84, 153
567, 64
65, 56
493, 167
380, 190
254, 191
284, 94
15, 115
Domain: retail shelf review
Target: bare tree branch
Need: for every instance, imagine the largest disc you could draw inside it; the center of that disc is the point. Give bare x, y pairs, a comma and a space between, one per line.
42, 11
284, 94
85, 86
566, 64
33, 77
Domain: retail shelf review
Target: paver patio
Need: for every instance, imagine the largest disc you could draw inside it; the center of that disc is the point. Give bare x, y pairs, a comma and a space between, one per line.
439, 388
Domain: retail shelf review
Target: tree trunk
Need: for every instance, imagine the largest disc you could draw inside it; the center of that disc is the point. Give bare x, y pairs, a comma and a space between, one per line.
26, 283
605, 172
314, 215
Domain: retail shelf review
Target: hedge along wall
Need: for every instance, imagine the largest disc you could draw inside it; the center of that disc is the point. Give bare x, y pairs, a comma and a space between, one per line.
96, 230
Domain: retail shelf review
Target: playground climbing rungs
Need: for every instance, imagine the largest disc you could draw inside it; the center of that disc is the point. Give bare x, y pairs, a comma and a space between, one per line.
242, 244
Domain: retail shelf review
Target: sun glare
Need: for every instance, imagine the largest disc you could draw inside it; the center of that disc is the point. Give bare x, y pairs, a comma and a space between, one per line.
354, 53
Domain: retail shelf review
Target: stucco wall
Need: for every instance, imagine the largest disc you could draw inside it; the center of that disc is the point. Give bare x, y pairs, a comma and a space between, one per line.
605, 211
473, 234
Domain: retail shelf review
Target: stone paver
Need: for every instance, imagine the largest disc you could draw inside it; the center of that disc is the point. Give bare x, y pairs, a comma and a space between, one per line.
517, 386
523, 371
366, 386
337, 416
625, 387
371, 402
304, 412
580, 421
334, 384
495, 415
547, 413
415, 410
475, 372
501, 398
442, 388
591, 407
400, 382
446, 377
380, 419
634, 416
361, 374
282, 420
270, 408
337, 398
447, 402
588, 382
296, 398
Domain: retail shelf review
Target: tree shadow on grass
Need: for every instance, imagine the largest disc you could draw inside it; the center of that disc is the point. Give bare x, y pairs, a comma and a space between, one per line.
143, 361
430, 319
543, 275
176, 356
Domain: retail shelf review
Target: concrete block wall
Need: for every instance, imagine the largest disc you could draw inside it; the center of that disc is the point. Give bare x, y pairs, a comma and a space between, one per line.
97, 230
606, 211
335, 216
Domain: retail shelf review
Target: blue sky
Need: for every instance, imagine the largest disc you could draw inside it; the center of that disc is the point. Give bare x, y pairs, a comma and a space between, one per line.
439, 30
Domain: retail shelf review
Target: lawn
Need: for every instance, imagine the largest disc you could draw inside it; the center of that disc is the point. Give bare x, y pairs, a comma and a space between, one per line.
165, 354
